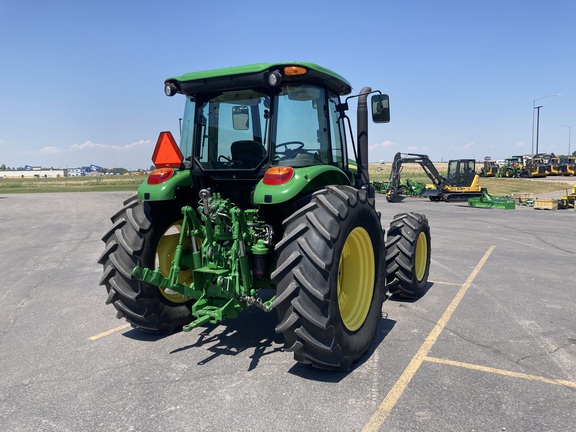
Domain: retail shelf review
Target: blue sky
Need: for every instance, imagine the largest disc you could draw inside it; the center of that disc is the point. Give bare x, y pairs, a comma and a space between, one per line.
81, 82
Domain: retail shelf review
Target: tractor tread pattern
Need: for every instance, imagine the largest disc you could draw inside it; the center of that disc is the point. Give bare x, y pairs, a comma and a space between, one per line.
127, 245
400, 254
305, 317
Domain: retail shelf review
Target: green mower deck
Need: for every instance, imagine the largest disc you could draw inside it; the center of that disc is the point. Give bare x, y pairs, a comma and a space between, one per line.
488, 201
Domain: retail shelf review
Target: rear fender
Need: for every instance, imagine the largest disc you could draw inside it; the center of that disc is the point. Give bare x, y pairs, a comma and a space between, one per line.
166, 190
305, 180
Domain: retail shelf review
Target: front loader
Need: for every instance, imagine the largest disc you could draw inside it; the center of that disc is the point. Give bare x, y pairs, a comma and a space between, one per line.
259, 194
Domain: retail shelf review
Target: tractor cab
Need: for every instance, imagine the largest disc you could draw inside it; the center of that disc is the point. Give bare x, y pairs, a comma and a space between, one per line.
265, 124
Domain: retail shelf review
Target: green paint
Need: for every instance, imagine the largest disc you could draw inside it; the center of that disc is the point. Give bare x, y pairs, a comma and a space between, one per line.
305, 180
165, 191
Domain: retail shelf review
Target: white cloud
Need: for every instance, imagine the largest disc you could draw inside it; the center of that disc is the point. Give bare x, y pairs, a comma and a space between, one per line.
385, 144
89, 145
416, 149
50, 150
464, 147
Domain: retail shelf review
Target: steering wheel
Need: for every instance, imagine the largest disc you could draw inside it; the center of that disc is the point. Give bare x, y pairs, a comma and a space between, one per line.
228, 162
289, 153
223, 158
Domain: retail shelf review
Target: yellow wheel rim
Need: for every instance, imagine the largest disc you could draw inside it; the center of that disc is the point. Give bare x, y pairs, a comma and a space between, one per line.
356, 272
421, 256
164, 257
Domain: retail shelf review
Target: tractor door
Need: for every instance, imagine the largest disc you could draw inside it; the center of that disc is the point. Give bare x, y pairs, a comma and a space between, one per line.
461, 172
307, 129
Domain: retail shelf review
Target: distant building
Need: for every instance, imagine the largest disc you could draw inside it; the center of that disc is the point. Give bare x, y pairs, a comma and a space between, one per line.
83, 171
78, 172
29, 171
33, 172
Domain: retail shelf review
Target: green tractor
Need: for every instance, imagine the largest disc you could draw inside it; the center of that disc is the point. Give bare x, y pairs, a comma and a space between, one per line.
512, 168
260, 194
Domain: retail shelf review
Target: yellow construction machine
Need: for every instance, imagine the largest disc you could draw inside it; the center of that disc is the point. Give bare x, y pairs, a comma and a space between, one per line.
490, 169
567, 200
461, 181
536, 166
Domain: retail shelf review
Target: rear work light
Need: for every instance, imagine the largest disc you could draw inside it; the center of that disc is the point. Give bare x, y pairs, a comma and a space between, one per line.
160, 175
166, 153
278, 175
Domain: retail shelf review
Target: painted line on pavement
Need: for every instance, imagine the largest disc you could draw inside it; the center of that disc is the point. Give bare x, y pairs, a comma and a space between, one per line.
397, 390
444, 283
501, 372
109, 332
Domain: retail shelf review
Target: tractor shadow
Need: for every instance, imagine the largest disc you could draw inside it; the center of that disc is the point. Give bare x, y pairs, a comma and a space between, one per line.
385, 326
252, 331
401, 299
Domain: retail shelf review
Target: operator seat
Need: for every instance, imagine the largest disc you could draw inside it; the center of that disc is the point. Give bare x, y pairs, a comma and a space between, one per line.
248, 152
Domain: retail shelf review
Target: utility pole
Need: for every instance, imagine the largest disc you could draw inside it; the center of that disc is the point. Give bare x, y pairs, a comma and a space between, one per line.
533, 108
569, 133
537, 125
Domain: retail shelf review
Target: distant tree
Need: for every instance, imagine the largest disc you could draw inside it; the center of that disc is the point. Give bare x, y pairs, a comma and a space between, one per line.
574, 153
2, 167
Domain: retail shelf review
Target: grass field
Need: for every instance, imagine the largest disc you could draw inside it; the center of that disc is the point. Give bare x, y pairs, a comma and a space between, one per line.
378, 172
70, 184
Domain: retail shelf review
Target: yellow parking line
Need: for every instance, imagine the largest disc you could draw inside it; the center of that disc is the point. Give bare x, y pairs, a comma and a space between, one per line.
106, 333
501, 372
397, 390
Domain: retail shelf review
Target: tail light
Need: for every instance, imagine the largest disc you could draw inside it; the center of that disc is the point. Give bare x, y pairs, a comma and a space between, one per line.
278, 175
160, 175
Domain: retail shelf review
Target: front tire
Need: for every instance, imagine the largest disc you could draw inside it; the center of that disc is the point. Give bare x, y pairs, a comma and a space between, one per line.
330, 278
408, 255
144, 234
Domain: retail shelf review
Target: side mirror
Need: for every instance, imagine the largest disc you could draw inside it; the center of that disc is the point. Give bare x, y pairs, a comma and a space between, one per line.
380, 108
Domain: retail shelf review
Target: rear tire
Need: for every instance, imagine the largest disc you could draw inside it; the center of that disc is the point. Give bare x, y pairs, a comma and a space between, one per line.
330, 278
408, 255
143, 234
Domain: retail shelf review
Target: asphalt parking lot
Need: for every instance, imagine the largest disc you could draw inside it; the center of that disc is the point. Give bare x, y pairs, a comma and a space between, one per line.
490, 346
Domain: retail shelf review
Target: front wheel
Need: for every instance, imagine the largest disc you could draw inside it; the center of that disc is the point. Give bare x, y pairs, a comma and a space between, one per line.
330, 278
408, 255
145, 234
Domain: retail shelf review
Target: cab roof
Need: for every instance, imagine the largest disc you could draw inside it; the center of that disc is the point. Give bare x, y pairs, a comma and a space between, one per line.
256, 75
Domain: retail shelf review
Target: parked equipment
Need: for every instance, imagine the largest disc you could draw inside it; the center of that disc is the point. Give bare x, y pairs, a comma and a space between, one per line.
557, 166
488, 201
519, 166
536, 166
570, 165
461, 181
567, 201
490, 169
408, 188
255, 197
512, 167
